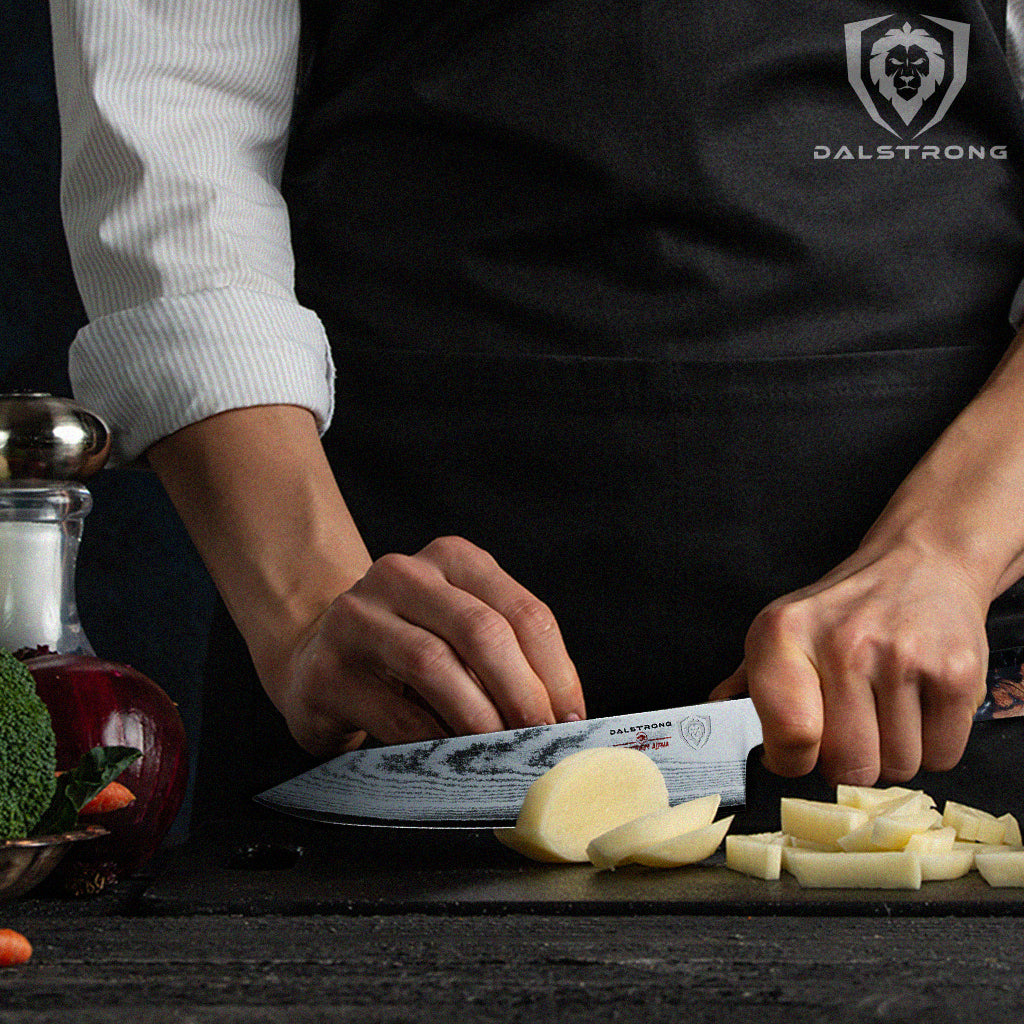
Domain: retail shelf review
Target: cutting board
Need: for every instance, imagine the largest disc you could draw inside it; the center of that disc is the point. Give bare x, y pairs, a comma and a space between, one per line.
262, 862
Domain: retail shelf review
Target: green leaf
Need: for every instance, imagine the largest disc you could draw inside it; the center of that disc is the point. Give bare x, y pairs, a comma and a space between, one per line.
75, 788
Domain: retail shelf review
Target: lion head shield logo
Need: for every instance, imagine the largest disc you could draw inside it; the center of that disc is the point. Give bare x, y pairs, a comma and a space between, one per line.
907, 74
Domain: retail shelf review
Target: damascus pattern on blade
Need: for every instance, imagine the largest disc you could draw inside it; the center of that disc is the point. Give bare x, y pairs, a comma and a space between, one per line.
484, 778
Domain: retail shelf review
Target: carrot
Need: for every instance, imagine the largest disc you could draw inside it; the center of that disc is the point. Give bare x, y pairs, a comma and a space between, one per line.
14, 948
112, 797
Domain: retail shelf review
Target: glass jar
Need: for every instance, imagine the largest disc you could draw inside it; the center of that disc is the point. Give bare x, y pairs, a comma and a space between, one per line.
40, 528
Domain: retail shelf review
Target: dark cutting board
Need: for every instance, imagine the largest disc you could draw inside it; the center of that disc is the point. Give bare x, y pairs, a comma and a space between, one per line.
353, 870
262, 862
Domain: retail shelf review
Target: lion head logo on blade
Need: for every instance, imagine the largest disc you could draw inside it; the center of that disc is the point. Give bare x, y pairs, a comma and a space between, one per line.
906, 64
907, 75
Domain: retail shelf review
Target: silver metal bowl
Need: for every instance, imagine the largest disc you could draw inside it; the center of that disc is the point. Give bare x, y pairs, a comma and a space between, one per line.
24, 863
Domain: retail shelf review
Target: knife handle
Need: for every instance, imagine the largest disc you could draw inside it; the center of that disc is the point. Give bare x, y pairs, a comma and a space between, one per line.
1004, 683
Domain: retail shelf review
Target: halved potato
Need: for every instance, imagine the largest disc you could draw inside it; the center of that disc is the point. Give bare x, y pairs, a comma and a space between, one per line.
617, 845
530, 844
587, 793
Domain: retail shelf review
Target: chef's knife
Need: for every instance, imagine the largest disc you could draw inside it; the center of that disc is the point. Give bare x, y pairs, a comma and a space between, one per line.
474, 781
480, 781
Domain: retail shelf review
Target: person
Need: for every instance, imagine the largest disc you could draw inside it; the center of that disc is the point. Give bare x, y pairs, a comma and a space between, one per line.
516, 362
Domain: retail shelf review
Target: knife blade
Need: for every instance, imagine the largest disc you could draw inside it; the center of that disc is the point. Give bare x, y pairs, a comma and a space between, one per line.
480, 781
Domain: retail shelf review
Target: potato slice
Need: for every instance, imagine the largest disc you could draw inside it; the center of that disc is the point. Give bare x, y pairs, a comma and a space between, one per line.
819, 822
689, 848
751, 855
884, 870
589, 792
944, 865
1001, 868
617, 845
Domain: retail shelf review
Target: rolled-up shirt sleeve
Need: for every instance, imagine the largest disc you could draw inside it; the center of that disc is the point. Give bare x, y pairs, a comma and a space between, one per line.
174, 121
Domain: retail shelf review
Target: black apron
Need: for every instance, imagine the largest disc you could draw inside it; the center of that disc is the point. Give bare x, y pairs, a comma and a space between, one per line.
657, 302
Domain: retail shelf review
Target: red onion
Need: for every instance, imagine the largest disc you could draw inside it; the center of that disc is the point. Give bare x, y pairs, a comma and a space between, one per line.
99, 703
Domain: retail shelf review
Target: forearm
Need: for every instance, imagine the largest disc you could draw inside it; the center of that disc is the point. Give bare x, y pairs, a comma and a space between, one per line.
965, 498
258, 498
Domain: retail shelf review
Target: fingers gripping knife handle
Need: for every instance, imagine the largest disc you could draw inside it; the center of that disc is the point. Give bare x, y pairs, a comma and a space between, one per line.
987, 776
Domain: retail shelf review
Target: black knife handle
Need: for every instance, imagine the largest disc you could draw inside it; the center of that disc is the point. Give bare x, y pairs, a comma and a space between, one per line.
1004, 682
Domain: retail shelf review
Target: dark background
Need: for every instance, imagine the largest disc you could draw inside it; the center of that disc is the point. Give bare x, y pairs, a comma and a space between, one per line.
143, 595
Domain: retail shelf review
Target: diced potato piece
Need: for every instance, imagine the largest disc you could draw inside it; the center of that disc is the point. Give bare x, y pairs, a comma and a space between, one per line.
617, 845
1012, 835
868, 798
935, 840
807, 844
689, 848
750, 855
941, 866
892, 832
973, 824
819, 822
914, 803
1001, 868
976, 848
884, 870
860, 840
589, 792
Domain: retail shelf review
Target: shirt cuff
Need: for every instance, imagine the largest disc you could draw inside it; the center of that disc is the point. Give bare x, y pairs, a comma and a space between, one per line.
153, 369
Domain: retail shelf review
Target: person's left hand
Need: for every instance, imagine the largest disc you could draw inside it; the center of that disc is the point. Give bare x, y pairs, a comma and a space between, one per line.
873, 672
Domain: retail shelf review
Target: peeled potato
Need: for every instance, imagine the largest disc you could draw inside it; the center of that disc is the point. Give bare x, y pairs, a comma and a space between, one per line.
1001, 868
529, 844
688, 848
944, 865
587, 793
819, 822
883, 870
616, 846
972, 824
753, 855
935, 840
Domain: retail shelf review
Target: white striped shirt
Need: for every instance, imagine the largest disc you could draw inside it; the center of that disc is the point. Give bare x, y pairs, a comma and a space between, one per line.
174, 121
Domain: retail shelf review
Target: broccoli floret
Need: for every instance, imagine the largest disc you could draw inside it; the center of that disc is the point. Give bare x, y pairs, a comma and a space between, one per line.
28, 750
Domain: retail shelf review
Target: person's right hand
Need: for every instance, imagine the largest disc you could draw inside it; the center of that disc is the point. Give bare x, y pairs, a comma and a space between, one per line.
437, 643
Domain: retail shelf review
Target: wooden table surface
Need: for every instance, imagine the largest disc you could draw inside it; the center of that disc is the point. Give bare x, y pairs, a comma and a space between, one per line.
267, 919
